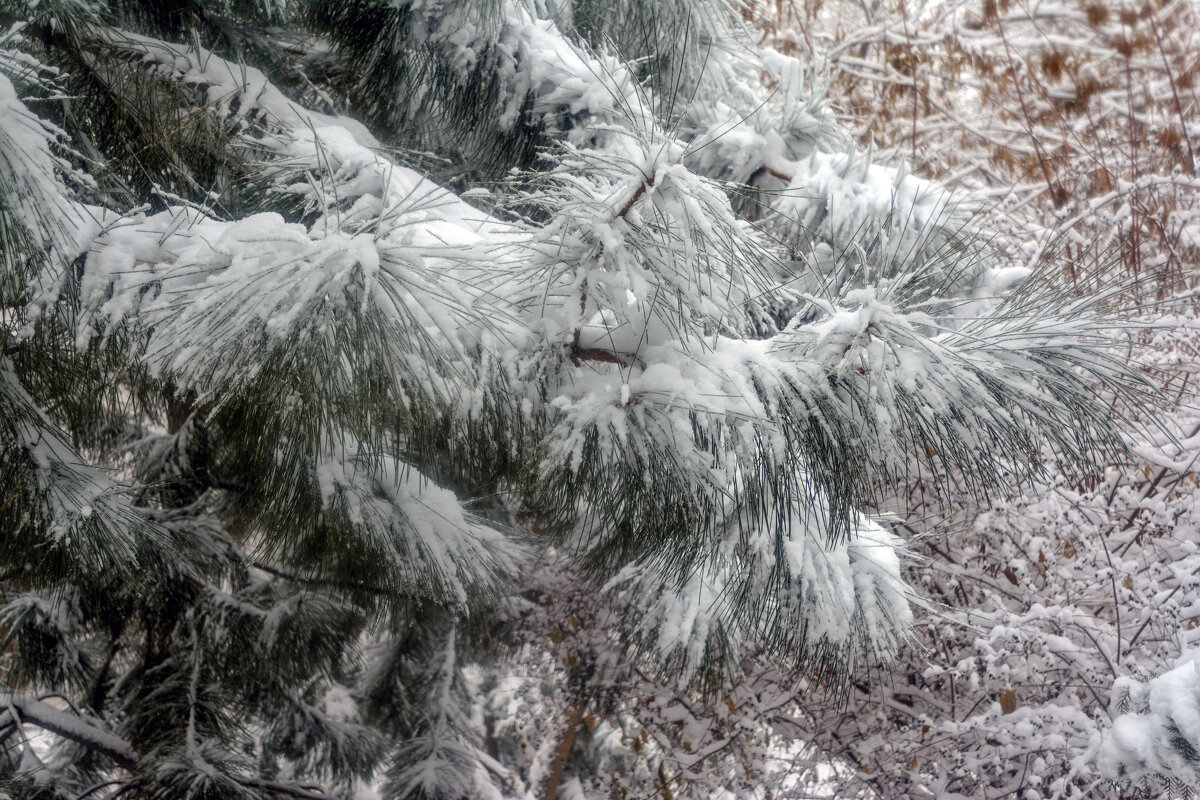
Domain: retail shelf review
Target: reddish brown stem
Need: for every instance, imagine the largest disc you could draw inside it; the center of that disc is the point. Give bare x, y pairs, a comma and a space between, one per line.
579, 354
641, 190
774, 173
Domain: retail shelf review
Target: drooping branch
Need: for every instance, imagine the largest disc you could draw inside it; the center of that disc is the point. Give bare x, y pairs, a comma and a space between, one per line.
77, 728
285, 789
91, 734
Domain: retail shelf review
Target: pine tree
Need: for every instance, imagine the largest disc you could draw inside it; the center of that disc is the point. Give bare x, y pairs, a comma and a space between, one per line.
356, 354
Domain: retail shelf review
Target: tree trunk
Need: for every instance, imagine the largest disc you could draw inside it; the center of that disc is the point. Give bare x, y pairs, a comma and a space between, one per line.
566, 740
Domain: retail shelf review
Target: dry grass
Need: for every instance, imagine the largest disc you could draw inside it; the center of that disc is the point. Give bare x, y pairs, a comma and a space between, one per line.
1077, 121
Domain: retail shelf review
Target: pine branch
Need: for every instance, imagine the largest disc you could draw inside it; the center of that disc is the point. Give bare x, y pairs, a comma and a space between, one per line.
94, 736
323, 582
276, 788
77, 728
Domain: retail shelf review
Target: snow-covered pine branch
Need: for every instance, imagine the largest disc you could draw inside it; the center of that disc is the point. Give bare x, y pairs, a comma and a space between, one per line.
345, 393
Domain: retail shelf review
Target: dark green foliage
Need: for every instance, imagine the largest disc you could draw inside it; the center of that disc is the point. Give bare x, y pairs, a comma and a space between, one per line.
407, 79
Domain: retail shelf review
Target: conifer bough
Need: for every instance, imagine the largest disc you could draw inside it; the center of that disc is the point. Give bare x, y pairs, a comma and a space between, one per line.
346, 343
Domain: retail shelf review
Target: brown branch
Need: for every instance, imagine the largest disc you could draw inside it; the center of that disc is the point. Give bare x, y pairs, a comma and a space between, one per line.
566, 740
579, 354
1057, 193
1149, 492
774, 173
1190, 166
583, 292
641, 190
